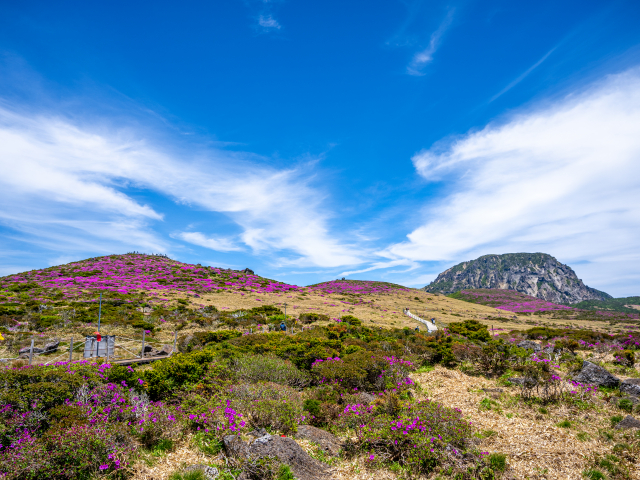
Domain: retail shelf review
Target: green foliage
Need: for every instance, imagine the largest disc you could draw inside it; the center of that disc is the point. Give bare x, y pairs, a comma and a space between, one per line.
269, 405
44, 388
178, 371
351, 320
312, 406
285, 473
626, 405
269, 368
307, 318
191, 475
498, 462
266, 310
207, 443
564, 424
472, 329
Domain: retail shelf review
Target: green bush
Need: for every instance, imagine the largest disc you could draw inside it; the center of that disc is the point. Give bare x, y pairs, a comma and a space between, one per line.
178, 371
269, 368
269, 405
307, 318
351, 320
472, 329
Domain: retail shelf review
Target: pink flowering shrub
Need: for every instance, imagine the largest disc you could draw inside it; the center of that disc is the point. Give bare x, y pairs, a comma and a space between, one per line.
424, 437
365, 370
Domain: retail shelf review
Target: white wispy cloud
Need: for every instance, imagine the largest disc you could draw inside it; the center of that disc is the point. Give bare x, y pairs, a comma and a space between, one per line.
219, 244
68, 185
424, 57
267, 22
562, 179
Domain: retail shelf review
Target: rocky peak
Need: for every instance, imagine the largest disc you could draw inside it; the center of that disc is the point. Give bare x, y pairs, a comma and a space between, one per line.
537, 274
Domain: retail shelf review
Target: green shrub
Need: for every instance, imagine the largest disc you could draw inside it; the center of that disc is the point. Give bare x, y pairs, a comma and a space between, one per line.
269, 368
472, 329
564, 424
269, 405
351, 320
312, 406
207, 443
307, 318
417, 436
178, 371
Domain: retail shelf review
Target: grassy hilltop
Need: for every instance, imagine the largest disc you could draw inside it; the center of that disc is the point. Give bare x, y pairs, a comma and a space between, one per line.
401, 403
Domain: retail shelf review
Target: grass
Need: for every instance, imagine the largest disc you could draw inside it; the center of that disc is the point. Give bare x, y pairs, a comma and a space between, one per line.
498, 461
194, 475
564, 424
583, 436
207, 445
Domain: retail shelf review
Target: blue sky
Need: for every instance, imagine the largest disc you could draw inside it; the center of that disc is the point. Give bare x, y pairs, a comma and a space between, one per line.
315, 140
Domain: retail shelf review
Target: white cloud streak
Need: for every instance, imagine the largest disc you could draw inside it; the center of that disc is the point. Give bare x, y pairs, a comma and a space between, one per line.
65, 183
562, 179
521, 77
424, 57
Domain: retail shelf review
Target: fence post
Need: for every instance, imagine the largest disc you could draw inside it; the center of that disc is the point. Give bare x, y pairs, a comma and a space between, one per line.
175, 341
71, 349
142, 351
31, 352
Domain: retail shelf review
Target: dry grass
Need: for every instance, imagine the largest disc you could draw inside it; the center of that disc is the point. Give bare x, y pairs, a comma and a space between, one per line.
535, 446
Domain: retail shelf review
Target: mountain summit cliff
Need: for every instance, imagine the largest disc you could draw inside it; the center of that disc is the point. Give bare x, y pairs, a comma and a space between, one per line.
537, 274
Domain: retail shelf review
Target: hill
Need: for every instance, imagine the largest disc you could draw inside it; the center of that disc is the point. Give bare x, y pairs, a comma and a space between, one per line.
625, 304
536, 274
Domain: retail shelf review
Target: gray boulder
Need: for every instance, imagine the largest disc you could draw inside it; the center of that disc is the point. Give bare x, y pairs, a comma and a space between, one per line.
523, 381
630, 386
329, 442
25, 350
596, 375
285, 449
530, 345
366, 398
51, 346
628, 422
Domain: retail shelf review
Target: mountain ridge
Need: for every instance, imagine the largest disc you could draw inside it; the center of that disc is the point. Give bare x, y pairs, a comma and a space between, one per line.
536, 274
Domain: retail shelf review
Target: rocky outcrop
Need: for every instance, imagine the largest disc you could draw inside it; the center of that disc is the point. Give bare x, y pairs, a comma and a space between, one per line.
285, 449
329, 442
596, 375
535, 274
628, 422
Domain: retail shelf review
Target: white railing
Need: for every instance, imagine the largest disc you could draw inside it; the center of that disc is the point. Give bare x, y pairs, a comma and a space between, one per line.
431, 327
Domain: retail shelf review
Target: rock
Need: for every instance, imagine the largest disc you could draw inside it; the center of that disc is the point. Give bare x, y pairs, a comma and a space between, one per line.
284, 448
25, 350
51, 346
329, 442
366, 398
210, 473
248, 271
185, 342
492, 390
235, 447
261, 432
529, 345
523, 381
628, 422
596, 375
630, 386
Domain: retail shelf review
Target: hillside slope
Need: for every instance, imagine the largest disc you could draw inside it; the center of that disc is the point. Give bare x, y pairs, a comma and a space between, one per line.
536, 274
